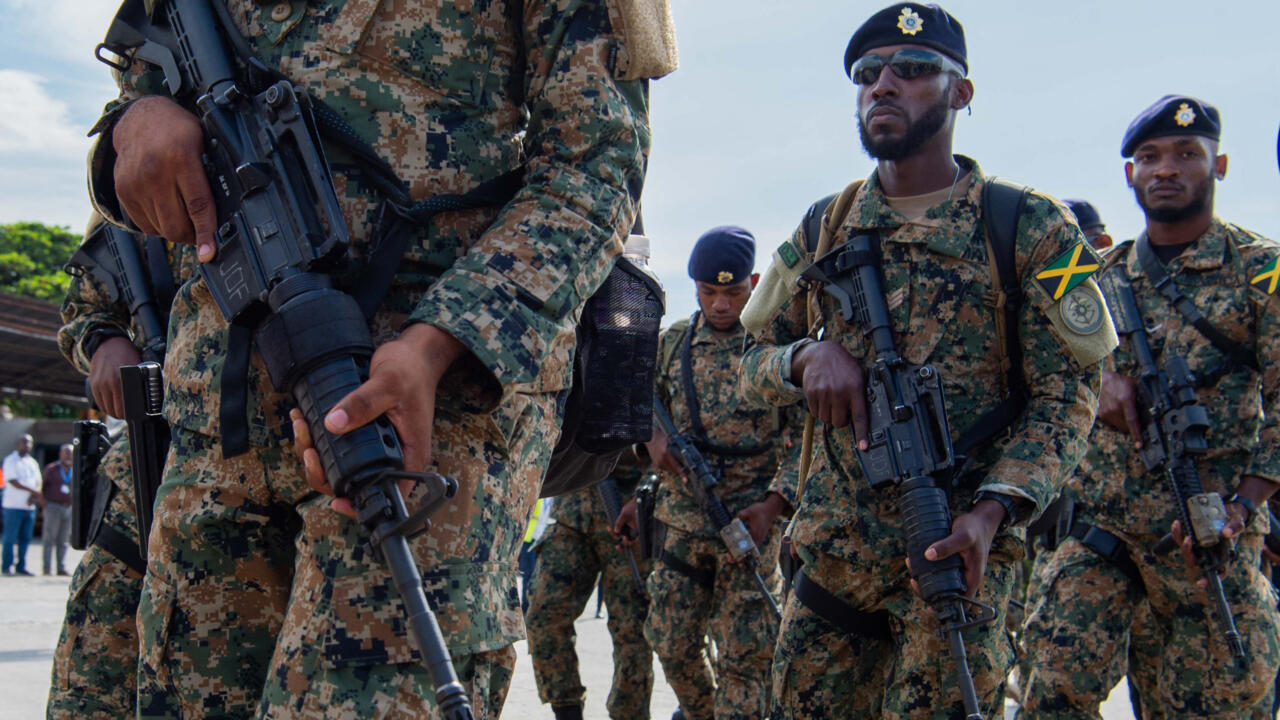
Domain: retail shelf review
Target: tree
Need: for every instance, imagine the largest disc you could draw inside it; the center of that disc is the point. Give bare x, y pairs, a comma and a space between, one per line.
31, 258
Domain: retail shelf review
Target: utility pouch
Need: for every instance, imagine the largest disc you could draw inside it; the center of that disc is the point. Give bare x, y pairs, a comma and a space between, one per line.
90, 492
610, 406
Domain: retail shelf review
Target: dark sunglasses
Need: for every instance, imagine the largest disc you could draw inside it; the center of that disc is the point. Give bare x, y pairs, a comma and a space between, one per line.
908, 63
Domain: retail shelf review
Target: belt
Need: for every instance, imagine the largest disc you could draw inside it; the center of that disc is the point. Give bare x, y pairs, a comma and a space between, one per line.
1109, 547
702, 576
852, 621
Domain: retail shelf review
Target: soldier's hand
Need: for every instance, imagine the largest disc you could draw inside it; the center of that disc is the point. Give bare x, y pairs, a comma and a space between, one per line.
104, 373
624, 528
1118, 405
403, 376
661, 456
1269, 556
759, 517
833, 386
971, 537
159, 176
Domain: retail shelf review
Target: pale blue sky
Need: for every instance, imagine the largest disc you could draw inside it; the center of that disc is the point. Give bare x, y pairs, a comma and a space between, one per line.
759, 120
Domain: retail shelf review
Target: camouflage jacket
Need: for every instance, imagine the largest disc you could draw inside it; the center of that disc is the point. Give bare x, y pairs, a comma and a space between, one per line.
1228, 273
89, 306
937, 275
434, 88
730, 421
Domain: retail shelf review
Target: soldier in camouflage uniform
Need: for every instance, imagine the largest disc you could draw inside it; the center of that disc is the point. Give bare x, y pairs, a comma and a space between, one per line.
475, 338
858, 641
96, 659
1087, 603
577, 548
695, 590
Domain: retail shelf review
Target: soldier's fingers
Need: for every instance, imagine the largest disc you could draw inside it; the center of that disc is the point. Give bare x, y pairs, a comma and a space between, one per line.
948, 546
361, 406
197, 199
170, 213
861, 426
1270, 557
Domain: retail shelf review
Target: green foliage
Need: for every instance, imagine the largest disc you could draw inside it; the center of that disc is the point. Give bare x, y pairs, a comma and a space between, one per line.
26, 407
31, 259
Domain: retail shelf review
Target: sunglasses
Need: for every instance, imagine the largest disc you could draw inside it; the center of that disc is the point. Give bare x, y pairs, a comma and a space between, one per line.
908, 63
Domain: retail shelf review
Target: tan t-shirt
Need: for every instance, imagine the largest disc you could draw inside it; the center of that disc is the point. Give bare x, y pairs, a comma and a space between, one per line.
913, 207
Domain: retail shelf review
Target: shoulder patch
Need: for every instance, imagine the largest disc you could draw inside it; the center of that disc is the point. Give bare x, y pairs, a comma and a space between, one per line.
1269, 278
1069, 270
788, 253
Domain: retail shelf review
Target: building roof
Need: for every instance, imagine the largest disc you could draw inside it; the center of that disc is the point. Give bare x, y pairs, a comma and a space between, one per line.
30, 364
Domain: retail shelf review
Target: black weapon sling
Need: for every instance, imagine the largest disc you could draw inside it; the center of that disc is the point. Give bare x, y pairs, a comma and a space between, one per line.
1156, 274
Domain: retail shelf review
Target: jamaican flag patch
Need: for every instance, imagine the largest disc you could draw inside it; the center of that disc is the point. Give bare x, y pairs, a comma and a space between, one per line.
1267, 280
1069, 270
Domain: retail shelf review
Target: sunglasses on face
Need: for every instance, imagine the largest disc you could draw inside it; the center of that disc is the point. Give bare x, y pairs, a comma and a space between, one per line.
907, 64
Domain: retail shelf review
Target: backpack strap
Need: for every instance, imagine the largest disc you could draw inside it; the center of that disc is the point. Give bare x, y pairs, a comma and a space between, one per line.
812, 224
1002, 205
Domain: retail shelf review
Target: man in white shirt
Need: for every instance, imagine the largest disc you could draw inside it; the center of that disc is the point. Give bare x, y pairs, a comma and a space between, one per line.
21, 495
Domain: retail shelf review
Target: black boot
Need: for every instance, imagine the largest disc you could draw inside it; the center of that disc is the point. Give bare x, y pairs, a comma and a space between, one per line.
567, 712
678, 714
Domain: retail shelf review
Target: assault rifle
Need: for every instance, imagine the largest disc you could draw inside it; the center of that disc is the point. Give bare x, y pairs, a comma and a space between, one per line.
732, 531
280, 230
612, 499
112, 255
910, 446
1173, 436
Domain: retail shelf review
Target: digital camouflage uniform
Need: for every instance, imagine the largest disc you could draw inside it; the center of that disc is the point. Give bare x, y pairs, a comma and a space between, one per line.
95, 662
1079, 627
724, 603
849, 536
238, 614
576, 550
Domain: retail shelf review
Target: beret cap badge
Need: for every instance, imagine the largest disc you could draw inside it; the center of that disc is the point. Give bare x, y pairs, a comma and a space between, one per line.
1184, 116
724, 277
909, 22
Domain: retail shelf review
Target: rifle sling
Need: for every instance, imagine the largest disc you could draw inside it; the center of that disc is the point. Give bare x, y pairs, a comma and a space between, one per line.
121, 546
1156, 274
162, 283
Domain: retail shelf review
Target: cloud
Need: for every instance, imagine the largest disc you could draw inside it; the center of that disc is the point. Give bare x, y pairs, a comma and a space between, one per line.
36, 123
68, 30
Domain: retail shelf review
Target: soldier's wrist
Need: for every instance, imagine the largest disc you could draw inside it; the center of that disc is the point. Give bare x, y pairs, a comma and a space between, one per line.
1011, 509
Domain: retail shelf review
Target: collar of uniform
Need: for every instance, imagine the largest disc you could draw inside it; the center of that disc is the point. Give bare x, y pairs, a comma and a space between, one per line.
946, 228
1209, 251
704, 333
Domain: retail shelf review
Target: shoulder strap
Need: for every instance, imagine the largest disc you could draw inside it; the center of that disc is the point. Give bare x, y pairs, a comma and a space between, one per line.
1168, 289
1002, 205
813, 222
697, 430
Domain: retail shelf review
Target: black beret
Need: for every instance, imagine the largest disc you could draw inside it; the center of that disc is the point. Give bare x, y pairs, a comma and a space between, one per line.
1086, 215
723, 256
1172, 115
909, 24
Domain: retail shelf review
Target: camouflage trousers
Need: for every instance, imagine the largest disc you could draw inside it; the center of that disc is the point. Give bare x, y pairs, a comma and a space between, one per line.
1078, 635
725, 607
95, 662
902, 670
569, 561
261, 601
